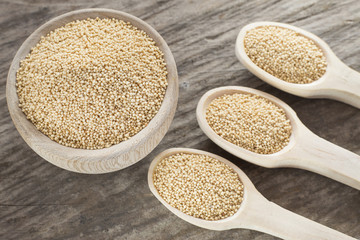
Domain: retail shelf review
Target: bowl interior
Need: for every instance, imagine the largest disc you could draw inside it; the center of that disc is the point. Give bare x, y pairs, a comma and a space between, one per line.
103, 160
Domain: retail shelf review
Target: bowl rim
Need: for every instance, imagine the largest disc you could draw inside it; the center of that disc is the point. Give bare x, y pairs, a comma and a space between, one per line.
103, 160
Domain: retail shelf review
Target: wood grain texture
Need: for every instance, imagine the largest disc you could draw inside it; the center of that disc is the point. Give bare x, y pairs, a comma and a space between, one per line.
41, 201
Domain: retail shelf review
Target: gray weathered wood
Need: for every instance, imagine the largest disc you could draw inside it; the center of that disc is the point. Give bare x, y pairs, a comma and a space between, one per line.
41, 201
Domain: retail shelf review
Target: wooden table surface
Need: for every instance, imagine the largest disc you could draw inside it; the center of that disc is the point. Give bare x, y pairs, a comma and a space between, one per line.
41, 201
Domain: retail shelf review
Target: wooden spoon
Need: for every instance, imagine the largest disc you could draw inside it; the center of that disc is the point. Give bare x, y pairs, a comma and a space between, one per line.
256, 212
305, 149
340, 82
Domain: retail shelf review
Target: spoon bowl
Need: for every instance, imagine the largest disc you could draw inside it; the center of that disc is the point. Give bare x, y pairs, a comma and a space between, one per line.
339, 82
305, 149
255, 212
104, 160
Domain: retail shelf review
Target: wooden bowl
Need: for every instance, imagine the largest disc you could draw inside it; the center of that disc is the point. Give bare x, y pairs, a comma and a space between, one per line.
104, 160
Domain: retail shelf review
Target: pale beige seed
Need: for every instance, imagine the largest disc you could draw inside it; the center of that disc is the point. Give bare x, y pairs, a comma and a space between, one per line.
92, 83
198, 185
249, 121
285, 54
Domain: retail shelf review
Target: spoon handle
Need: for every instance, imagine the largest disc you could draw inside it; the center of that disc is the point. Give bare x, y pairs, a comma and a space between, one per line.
315, 154
266, 216
343, 84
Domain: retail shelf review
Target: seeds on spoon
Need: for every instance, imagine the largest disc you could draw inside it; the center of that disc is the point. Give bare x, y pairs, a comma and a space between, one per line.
285, 54
249, 121
92, 83
199, 185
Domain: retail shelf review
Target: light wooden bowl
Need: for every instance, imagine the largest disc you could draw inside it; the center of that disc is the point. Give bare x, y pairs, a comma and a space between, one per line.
104, 160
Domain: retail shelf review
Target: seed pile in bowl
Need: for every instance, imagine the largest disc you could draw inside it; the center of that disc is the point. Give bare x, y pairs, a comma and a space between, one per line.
92, 83
249, 121
285, 54
198, 185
